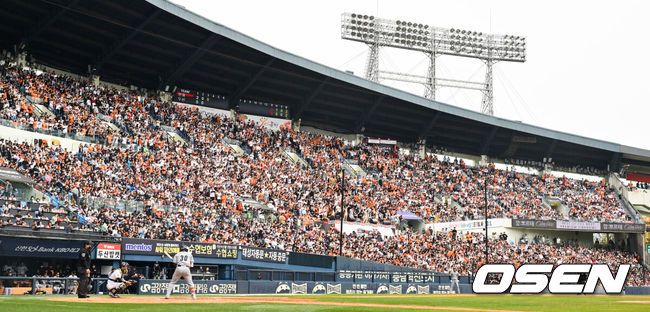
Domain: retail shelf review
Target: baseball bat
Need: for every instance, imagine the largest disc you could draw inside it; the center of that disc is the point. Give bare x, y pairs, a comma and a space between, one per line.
168, 256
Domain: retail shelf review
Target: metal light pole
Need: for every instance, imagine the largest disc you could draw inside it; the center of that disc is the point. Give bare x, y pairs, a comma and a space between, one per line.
342, 211
486, 217
408, 35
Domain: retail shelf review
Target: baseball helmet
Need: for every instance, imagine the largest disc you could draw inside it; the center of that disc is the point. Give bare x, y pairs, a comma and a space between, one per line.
124, 266
184, 248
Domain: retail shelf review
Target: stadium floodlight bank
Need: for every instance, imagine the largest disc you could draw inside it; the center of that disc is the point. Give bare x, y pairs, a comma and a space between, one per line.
380, 32
430, 39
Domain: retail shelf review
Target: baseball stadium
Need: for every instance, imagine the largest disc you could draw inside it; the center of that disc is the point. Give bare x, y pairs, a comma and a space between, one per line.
154, 159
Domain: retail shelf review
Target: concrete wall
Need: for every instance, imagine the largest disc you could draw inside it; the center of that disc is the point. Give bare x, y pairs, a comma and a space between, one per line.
208, 110
346, 137
639, 198
495, 226
584, 238
20, 136
61, 72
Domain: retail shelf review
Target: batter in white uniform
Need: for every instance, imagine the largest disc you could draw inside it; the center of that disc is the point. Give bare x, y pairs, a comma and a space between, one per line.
184, 261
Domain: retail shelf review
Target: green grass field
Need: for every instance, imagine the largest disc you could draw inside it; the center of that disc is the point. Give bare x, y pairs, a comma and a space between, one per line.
320, 303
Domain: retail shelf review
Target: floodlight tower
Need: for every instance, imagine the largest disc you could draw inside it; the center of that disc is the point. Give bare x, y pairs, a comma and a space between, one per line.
433, 41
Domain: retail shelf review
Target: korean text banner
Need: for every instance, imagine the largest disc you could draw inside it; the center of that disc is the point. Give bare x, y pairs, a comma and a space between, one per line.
265, 255
25, 247
131, 246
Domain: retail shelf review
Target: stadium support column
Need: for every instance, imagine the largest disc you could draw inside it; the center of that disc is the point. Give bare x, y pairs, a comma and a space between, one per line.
486, 104
295, 125
94, 79
21, 58
643, 270
165, 96
483, 161
342, 211
422, 148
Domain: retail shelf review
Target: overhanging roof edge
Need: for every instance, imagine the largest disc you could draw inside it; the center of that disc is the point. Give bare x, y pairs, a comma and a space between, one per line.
222, 30
635, 151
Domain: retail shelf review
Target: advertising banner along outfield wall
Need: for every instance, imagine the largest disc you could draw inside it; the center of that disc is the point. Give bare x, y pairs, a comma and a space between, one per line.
133, 246
264, 255
466, 225
25, 247
579, 226
159, 287
349, 288
386, 277
147, 247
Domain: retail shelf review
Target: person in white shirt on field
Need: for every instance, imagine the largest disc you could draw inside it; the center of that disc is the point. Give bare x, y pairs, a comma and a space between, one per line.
184, 261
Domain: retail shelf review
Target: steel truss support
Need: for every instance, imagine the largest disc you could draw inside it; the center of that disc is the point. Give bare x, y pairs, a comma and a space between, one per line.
45, 24
425, 80
487, 103
430, 86
111, 50
372, 65
433, 41
178, 71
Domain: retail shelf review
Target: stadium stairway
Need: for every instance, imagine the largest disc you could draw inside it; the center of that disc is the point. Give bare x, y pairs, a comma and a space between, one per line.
557, 204
184, 136
110, 123
352, 167
630, 209
294, 158
234, 146
250, 202
174, 135
40, 109
620, 189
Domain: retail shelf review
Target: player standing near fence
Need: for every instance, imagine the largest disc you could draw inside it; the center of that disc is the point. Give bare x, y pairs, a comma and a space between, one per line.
184, 261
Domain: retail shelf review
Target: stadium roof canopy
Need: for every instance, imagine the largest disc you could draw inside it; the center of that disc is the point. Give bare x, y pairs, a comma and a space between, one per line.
156, 43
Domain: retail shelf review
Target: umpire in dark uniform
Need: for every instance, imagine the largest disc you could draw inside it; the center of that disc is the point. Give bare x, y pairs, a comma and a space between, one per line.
83, 270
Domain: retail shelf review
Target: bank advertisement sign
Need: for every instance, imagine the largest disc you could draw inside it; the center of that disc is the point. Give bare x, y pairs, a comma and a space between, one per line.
25, 247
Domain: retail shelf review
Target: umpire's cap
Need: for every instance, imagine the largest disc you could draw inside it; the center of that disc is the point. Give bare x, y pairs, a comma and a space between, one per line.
184, 248
88, 243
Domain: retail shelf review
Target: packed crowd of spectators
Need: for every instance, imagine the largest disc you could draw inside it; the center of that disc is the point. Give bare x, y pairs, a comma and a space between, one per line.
464, 253
204, 180
584, 199
147, 165
20, 214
